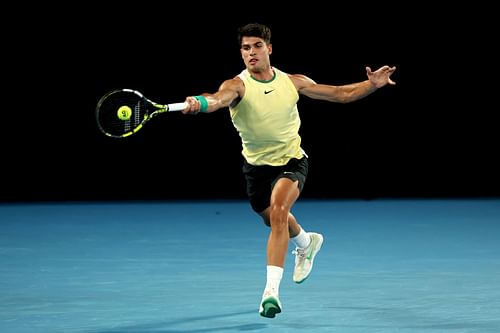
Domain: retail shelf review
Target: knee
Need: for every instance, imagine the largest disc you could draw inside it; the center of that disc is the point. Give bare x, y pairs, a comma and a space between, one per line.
279, 216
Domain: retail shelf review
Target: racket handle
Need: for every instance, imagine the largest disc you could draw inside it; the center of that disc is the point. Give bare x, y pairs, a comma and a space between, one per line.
176, 106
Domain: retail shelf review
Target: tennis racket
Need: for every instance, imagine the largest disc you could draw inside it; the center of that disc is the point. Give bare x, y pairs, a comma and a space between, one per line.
123, 112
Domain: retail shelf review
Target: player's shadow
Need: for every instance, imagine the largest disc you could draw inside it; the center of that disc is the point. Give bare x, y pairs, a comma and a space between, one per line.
204, 325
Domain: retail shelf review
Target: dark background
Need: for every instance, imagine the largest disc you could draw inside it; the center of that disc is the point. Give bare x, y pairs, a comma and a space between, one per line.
434, 134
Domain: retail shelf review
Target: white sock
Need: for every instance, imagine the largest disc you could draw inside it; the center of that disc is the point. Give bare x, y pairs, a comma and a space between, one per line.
274, 275
302, 240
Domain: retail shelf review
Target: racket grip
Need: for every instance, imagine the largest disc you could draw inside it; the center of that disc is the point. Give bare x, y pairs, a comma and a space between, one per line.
176, 106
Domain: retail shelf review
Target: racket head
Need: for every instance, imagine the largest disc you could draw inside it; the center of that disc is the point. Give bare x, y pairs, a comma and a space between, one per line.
122, 112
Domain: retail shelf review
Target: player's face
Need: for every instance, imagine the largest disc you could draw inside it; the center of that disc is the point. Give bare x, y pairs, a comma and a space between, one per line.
255, 53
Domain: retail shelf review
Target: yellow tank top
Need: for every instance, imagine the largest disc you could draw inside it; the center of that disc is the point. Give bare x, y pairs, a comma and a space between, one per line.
267, 120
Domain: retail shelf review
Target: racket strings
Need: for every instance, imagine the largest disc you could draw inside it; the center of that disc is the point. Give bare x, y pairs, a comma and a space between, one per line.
121, 113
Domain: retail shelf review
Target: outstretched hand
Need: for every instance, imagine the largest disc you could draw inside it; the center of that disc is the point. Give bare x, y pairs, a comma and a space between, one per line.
381, 76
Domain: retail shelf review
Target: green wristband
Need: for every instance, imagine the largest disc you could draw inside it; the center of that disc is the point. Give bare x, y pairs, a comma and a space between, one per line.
203, 103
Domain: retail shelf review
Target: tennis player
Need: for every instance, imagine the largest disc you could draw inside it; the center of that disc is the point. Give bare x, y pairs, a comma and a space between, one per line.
262, 102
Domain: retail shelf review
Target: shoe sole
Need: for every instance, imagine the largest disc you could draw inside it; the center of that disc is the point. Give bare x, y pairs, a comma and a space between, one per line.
270, 308
312, 262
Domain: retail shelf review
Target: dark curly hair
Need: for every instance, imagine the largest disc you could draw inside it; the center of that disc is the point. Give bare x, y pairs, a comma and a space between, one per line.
254, 30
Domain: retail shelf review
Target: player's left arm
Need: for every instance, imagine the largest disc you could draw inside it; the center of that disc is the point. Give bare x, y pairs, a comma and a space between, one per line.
344, 93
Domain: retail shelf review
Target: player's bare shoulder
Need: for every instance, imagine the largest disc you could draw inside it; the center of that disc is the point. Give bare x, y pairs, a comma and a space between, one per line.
301, 81
232, 90
234, 84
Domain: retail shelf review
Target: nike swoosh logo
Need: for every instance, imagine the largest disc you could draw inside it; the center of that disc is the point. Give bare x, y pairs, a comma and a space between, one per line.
268, 91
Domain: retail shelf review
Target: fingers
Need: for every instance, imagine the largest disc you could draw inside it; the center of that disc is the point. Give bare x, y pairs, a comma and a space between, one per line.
386, 68
192, 106
387, 71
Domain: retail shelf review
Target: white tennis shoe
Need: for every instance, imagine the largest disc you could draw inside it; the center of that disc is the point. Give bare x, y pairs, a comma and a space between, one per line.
304, 258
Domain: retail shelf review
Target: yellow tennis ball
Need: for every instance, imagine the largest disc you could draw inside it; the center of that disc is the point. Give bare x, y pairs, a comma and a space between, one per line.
124, 112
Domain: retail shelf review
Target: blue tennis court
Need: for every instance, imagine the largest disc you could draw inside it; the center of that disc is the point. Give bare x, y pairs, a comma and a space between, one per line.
429, 265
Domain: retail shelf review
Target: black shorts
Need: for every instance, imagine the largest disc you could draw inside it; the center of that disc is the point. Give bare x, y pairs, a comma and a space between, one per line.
262, 178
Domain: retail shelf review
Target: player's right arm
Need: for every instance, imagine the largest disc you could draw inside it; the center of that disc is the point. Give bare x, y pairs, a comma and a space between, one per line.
230, 91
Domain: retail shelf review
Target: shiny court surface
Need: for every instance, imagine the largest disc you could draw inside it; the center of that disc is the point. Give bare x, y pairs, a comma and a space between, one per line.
429, 265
